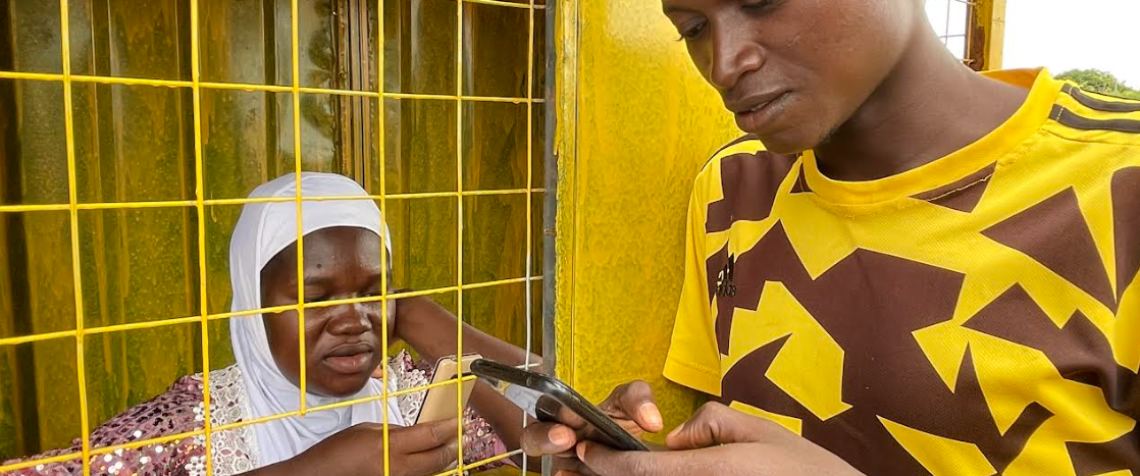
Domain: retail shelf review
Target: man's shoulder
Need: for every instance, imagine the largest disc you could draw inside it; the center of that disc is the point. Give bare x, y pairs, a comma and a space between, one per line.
741, 182
744, 163
1093, 118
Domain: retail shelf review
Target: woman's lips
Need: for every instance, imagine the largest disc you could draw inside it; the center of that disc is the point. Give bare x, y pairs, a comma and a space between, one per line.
351, 358
350, 364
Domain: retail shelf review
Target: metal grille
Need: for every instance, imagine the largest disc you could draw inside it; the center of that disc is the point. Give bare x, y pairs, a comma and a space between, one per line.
950, 19
351, 140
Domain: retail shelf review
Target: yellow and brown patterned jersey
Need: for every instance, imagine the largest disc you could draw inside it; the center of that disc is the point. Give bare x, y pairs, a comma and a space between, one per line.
977, 315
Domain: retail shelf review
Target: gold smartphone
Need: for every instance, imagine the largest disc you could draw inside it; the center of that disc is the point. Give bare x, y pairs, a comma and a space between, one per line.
440, 402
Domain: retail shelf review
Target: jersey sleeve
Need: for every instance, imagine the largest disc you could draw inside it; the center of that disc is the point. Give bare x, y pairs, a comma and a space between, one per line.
694, 358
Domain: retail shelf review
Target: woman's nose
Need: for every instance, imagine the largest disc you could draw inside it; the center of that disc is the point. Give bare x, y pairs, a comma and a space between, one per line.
350, 319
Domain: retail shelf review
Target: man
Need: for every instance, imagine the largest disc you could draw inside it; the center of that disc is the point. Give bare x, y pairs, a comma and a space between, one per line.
931, 271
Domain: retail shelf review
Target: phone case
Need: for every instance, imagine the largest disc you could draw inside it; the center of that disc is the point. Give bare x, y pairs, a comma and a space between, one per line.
609, 431
440, 402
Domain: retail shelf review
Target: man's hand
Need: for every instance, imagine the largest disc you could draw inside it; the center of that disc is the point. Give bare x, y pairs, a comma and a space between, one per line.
631, 405
723, 442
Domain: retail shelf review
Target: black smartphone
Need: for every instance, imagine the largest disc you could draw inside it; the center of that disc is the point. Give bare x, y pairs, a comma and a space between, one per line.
556, 397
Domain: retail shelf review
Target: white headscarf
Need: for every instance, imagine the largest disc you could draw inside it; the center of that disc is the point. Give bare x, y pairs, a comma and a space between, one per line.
263, 230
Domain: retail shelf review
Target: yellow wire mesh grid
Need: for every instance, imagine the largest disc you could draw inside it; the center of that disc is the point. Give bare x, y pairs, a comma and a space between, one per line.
200, 203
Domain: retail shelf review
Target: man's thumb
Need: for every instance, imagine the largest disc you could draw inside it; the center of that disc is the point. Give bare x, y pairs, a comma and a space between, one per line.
715, 424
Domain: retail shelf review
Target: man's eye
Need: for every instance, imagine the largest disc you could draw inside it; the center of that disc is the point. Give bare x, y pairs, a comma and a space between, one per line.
757, 7
692, 32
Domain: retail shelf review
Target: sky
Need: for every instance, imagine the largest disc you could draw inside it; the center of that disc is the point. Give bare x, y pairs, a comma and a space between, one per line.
1058, 34
1067, 34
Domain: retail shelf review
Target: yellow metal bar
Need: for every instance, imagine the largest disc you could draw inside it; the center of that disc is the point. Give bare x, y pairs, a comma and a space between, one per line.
527, 292
430, 97
266, 310
33, 208
256, 421
494, 99
30, 76
501, 282
279, 309
143, 325
170, 83
494, 459
296, 61
131, 81
200, 204
478, 193
105, 450
408, 391
136, 205
481, 463
73, 211
340, 92
36, 337
381, 123
498, 99
139, 444
459, 221
409, 196
399, 393
39, 462
244, 201
382, 298
500, 3
250, 312
252, 88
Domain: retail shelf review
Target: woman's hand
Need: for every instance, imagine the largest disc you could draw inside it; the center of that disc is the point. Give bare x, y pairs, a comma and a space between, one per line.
431, 331
420, 450
723, 442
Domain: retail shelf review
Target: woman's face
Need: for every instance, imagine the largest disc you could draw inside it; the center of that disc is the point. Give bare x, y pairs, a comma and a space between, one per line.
342, 343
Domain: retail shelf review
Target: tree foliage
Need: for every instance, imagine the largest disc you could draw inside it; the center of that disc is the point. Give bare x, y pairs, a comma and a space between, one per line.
1099, 81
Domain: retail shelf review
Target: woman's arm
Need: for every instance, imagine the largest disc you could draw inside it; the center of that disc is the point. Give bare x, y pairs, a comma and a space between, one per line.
431, 330
412, 451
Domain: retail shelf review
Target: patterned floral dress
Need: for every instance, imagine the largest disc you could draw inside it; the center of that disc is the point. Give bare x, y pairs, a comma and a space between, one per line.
180, 410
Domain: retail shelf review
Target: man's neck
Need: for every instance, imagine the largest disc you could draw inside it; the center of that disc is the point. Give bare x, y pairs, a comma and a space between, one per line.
929, 106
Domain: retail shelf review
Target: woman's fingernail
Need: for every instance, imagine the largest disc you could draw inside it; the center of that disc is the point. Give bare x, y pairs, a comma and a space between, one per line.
561, 436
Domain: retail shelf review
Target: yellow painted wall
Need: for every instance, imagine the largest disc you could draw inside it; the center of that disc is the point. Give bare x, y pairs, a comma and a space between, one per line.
636, 123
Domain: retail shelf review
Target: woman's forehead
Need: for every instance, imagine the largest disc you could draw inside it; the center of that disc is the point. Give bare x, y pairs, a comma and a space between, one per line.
329, 249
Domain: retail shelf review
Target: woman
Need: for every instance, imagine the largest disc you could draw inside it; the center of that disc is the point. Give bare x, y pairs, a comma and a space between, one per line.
342, 254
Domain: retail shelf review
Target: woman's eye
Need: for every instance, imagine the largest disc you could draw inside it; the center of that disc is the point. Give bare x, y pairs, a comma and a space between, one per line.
316, 297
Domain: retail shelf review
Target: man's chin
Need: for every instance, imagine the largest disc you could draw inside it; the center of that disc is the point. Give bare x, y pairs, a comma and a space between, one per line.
783, 145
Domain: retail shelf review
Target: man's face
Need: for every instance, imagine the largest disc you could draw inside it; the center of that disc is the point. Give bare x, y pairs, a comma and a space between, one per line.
793, 71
